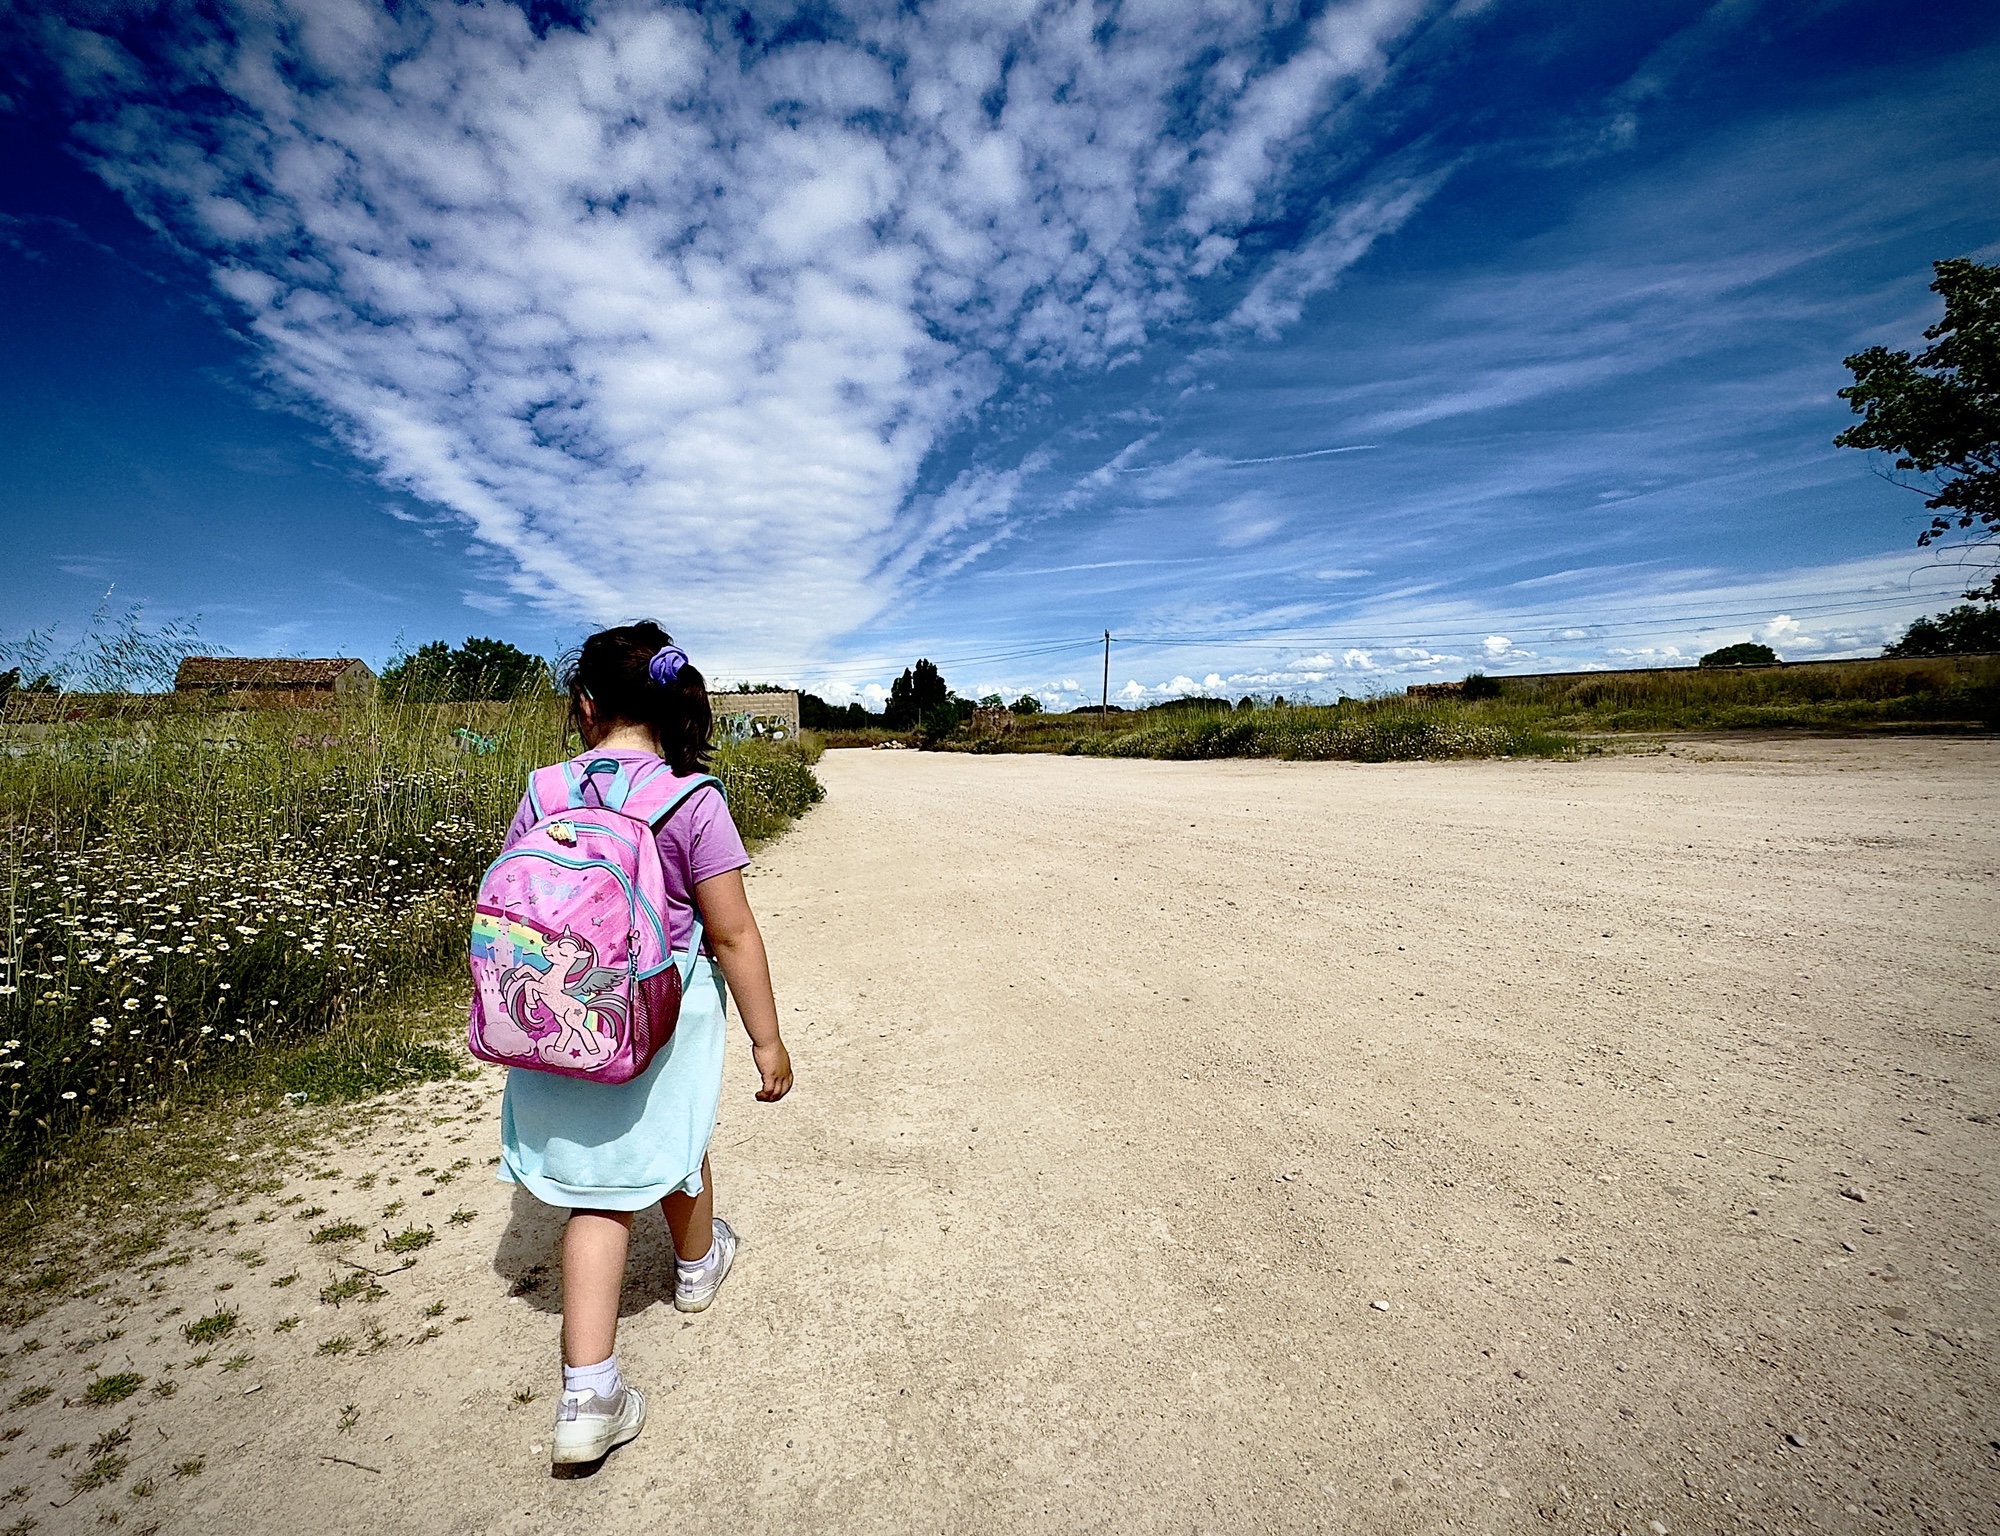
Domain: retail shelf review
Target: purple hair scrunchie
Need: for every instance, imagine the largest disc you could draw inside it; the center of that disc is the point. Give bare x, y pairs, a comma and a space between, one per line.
666, 664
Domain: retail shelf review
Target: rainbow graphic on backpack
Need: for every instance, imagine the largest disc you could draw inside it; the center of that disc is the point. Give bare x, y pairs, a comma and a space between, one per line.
572, 968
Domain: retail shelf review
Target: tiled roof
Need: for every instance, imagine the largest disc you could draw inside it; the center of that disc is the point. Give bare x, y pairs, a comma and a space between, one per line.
262, 671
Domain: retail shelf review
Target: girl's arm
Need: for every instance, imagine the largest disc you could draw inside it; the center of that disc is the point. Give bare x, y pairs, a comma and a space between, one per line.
739, 950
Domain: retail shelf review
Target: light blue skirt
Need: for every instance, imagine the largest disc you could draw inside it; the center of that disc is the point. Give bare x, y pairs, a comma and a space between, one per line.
621, 1146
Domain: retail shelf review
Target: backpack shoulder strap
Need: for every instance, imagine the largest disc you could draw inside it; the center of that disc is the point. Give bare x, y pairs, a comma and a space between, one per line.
591, 781
549, 791
657, 793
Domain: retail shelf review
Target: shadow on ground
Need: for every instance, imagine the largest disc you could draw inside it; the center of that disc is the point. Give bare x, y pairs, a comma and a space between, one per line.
529, 1260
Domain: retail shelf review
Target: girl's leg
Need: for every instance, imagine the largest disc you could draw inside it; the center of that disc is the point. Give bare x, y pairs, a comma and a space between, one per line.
691, 1218
593, 1278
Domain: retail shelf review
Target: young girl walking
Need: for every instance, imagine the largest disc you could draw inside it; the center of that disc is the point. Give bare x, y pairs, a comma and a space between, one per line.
604, 1150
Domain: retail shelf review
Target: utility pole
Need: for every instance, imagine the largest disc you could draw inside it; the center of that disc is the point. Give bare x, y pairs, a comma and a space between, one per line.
1104, 701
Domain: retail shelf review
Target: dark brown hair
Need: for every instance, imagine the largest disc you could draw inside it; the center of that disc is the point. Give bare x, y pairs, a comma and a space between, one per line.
611, 670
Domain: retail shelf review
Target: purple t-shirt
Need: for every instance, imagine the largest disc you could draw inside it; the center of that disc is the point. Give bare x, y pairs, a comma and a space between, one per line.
697, 843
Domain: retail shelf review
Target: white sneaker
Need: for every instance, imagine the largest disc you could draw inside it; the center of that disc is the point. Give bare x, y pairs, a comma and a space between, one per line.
693, 1294
589, 1427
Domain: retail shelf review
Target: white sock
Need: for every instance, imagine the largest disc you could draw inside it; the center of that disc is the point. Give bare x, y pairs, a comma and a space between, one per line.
601, 1378
694, 1267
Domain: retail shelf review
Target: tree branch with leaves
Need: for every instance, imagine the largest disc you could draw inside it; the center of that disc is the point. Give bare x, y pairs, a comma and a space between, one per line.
1939, 412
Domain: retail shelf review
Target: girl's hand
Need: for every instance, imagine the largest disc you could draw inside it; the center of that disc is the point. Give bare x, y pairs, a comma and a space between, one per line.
774, 1064
739, 950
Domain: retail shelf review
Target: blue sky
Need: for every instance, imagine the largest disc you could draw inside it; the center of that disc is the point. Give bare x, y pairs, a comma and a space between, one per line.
1308, 349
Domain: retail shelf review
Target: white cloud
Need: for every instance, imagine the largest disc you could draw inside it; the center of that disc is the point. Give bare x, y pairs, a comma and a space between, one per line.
674, 322
1500, 648
1649, 655
1278, 297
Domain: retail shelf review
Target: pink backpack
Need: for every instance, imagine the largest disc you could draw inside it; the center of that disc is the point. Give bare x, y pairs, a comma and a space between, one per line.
572, 971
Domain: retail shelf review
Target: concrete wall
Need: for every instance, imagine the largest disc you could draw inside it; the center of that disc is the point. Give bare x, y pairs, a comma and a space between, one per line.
766, 714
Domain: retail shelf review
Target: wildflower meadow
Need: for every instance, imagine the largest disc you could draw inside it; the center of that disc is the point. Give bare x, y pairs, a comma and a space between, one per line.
187, 887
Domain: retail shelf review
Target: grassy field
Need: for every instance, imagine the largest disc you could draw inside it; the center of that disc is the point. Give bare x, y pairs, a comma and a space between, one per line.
1360, 730
210, 896
1546, 718
1962, 691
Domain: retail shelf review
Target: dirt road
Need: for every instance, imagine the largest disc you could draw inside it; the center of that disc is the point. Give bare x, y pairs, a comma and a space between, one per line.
1603, 1146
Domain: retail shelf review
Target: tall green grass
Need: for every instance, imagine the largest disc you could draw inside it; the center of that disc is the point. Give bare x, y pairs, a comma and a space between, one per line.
1368, 731
1530, 717
1930, 691
186, 887
1361, 730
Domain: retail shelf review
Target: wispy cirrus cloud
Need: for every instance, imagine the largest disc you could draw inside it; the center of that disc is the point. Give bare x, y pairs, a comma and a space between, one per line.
672, 309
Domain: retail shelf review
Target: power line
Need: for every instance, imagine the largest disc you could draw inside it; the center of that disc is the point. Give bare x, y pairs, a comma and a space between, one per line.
1290, 639
1280, 638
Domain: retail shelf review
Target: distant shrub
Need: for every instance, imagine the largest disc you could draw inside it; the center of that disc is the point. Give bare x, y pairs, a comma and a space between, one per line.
1744, 655
1478, 685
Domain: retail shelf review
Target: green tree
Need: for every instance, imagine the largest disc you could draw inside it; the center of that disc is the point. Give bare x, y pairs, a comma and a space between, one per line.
815, 714
919, 693
493, 669
10, 682
1748, 654
1961, 631
1026, 704
1939, 411
479, 669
